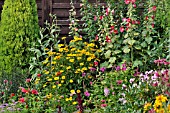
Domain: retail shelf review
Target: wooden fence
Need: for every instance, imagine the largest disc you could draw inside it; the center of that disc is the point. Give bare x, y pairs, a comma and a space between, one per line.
58, 7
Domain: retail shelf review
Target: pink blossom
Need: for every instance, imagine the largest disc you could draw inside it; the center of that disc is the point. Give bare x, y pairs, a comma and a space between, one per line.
28, 80
122, 29
96, 38
115, 31
124, 19
21, 100
83, 74
103, 105
103, 101
127, 1
132, 80
154, 8
86, 93
95, 18
34, 92
134, 5
106, 91
119, 82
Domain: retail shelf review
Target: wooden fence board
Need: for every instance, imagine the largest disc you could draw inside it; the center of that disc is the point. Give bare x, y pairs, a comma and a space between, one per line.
58, 7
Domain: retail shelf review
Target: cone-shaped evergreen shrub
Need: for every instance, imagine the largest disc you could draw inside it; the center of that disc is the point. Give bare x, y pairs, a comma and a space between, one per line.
18, 29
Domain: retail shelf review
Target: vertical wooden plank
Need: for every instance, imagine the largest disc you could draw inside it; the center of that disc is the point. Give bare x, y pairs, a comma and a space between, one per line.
43, 18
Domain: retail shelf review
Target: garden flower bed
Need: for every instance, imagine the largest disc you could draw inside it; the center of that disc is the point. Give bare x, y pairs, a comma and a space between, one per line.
121, 63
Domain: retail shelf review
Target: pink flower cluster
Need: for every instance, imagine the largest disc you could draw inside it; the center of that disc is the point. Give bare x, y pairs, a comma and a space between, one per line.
130, 1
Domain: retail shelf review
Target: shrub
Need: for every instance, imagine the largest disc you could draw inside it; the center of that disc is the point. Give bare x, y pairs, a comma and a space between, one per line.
18, 29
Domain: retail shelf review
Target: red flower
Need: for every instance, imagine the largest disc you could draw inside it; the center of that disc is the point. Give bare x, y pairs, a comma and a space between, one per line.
154, 8
153, 17
133, 1
127, 1
107, 11
21, 100
38, 75
112, 27
119, 82
96, 38
58, 73
134, 5
101, 17
24, 90
122, 29
28, 80
108, 39
115, 31
12, 94
146, 18
34, 92
96, 63
103, 105
128, 20
153, 25
137, 22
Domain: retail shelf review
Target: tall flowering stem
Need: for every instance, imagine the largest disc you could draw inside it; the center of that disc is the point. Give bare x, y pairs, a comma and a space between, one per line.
79, 100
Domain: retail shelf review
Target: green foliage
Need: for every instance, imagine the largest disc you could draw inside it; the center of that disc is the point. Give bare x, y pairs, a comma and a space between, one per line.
124, 34
18, 29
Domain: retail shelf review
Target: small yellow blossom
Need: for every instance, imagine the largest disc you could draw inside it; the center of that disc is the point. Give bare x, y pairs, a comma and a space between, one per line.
89, 59
60, 45
72, 91
74, 103
54, 86
63, 38
67, 99
49, 96
62, 81
69, 67
81, 64
79, 58
59, 85
61, 71
71, 60
146, 106
78, 91
70, 98
71, 81
50, 79
84, 68
63, 77
56, 78
168, 107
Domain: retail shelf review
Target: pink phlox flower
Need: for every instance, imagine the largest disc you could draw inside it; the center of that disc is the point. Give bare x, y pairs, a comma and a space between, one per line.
106, 91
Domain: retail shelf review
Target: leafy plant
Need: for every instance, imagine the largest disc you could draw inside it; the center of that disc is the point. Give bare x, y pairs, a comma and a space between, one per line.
18, 29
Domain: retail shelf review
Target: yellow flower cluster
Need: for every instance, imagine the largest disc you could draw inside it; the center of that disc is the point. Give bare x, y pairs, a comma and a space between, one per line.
158, 105
146, 106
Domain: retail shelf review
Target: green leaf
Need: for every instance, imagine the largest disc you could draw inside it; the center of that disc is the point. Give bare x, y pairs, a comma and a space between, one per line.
116, 51
107, 54
143, 44
148, 40
126, 49
137, 63
104, 64
138, 47
131, 42
112, 59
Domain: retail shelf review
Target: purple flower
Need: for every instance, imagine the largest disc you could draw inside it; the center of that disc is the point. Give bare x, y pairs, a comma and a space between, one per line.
118, 68
106, 91
102, 69
92, 69
86, 93
124, 67
83, 74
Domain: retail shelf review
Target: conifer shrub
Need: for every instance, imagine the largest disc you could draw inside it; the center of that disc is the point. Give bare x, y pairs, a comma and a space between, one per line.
18, 30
